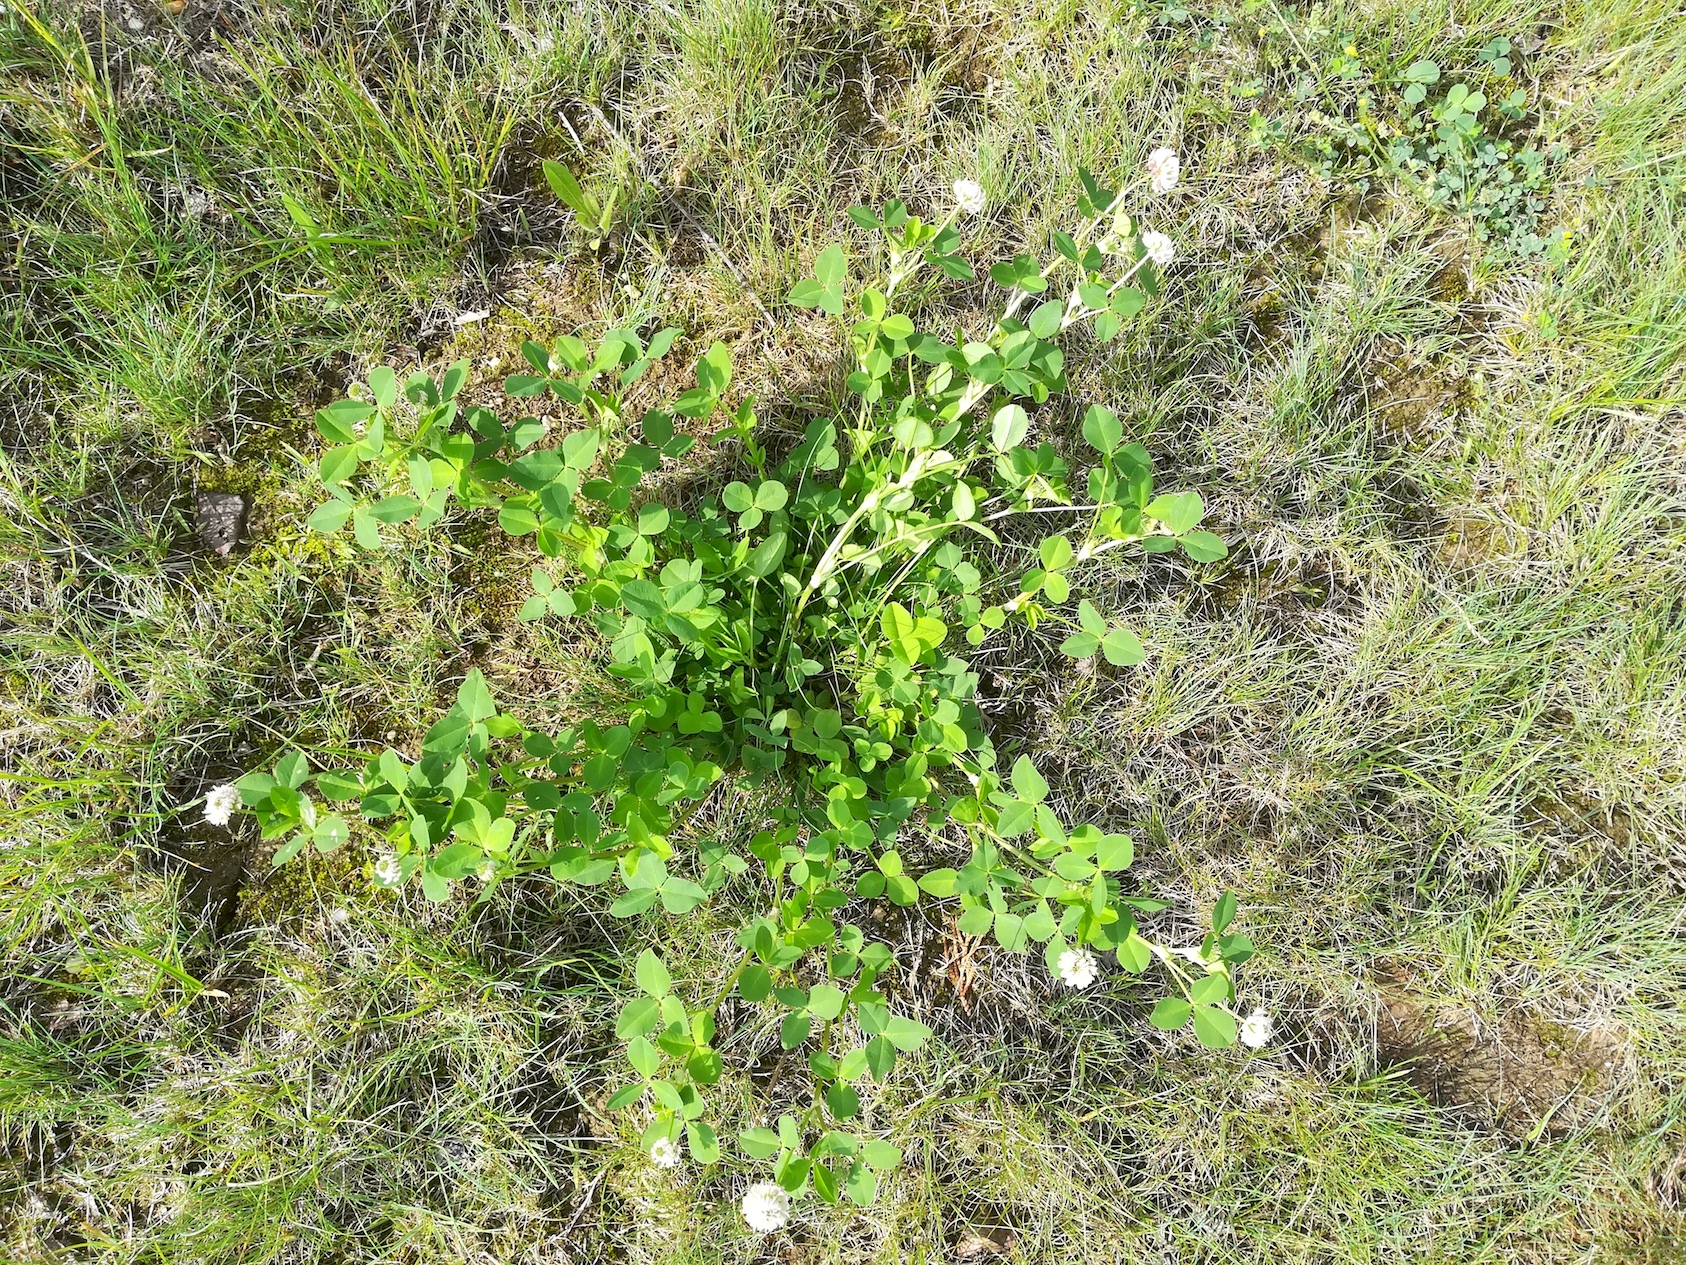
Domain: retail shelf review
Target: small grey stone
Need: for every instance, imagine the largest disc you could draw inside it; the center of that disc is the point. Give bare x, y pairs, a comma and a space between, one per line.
221, 518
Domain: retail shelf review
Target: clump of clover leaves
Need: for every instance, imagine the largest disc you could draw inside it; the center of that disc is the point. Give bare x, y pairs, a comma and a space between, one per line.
1462, 144
801, 624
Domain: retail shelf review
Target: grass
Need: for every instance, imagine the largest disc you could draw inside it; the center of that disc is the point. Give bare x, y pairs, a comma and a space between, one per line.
1427, 722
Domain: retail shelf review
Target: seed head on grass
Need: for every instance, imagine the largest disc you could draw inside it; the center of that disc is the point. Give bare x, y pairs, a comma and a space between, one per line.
1078, 968
766, 1207
220, 803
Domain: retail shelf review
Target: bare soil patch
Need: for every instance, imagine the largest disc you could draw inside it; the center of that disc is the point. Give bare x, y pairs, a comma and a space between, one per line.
1522, 1073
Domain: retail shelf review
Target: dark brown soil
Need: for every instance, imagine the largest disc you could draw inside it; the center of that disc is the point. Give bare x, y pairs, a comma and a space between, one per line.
1523, 1074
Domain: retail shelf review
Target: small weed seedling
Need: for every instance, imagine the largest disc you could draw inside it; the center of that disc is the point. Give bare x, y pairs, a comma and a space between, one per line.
1458, 143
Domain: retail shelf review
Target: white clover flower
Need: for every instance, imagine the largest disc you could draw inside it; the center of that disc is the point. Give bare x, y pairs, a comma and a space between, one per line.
220, 803
1160, 248
388, 871
1078, 968
1163, 168
766, 1206
486, 871
1257, 1029
664, 1153
969, 197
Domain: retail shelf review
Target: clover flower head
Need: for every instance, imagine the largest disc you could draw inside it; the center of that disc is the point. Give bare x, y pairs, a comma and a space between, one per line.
486, 871
388, 871
1257, 1029
1078, 968
220, 803
1160, 248
969, 197
1163, 168
766, 1207
664, 1153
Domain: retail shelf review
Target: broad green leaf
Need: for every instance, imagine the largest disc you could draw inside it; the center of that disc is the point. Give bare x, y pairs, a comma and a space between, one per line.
1056, 553
1102, 429
1016, 818
1214, 1027
794, 1030
704, 1144
1008, 427
1122, 648
567, 188
1081, 645
965, 503
383, 385
754, 982
862, 1186
830, 265
1044, 322
338, 464
826, 1185
764, 559
880, 1057
330, 833
1028, 784
474, 697
1115, 852
1134, 955
329, 517
881, 1155
639, 1016
394, 509
899, 628
1180, 511
517, 518
938, 882
1170, 1013
643, 1056
905, 1034
1223, 913
825, 1001
758, 1144
1010, 932
1209, 990
1204, 546
338, 422
652, 974
975, 921
339, 786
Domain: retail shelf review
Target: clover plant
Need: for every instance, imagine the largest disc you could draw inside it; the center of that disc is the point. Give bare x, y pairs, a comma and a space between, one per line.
806, 625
